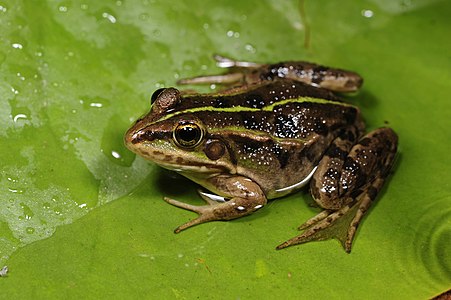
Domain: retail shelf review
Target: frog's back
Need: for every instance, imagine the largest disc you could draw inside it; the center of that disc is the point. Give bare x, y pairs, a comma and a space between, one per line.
276, 132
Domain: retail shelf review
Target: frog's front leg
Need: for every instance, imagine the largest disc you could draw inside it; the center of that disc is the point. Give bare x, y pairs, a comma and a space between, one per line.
345, 185
243, 195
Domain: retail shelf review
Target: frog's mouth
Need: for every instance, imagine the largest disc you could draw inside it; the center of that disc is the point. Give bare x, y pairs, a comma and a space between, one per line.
193, 168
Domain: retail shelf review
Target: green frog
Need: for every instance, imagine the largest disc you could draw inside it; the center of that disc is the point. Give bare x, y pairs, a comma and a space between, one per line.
275, 129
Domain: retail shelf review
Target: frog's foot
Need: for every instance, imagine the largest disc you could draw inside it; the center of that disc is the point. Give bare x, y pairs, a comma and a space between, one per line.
229, 78
205, 212
235, 76
340, 224
226, 62
244, 200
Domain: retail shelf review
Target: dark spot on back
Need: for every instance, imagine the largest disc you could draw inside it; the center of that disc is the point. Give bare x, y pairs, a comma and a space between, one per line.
348, 135
321, 128
283, 156
254, 101
336, 152
365, 141
332, 174
350, 115
220, 102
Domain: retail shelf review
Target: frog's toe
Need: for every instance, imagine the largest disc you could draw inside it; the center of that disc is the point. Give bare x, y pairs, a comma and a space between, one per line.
327, 225
199, 220
205, 213
182, 204
315, 219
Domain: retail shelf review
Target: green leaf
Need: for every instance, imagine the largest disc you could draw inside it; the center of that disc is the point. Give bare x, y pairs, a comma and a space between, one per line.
74, 76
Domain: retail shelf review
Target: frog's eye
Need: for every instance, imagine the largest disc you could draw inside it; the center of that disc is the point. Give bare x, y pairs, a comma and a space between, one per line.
155, 95
188, 135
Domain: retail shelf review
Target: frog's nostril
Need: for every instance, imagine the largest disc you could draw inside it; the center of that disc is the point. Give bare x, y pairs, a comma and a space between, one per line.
139, 136
356, 81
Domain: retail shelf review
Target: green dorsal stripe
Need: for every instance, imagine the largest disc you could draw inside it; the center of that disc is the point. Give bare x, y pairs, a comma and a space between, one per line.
250, 109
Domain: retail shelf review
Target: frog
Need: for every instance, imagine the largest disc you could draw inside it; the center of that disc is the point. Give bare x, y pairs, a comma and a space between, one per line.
272, 130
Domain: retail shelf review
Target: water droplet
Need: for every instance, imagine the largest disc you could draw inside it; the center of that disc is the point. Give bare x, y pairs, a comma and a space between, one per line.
21, 77
15, 191
234, 34
144, 16
3, 9
30, 230
18, 117
28, 213
156, 32
159, 85
250, 48
367, 13
62, 8
115, 154
94, 104
109, 17
14, 90
12, 179
17, 46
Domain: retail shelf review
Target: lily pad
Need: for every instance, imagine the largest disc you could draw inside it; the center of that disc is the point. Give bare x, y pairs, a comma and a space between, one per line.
81, 216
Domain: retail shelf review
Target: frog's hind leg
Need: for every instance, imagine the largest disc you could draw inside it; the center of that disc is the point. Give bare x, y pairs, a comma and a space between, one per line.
346, 185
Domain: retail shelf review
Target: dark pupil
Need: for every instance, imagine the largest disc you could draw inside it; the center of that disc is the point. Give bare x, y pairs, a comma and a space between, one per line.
188, 135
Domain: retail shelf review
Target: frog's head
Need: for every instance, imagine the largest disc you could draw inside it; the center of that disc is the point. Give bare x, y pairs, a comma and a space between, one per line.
172, 136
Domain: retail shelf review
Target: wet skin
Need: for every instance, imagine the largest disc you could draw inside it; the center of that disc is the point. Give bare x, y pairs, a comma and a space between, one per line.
277, 128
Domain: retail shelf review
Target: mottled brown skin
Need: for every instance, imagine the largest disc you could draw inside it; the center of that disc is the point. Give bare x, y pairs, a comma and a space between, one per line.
247, 145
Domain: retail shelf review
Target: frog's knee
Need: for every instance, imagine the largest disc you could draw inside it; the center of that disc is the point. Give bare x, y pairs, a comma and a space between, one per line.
326, 194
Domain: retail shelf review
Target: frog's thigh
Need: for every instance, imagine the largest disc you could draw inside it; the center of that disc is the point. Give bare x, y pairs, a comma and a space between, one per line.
325, 182
341, 179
